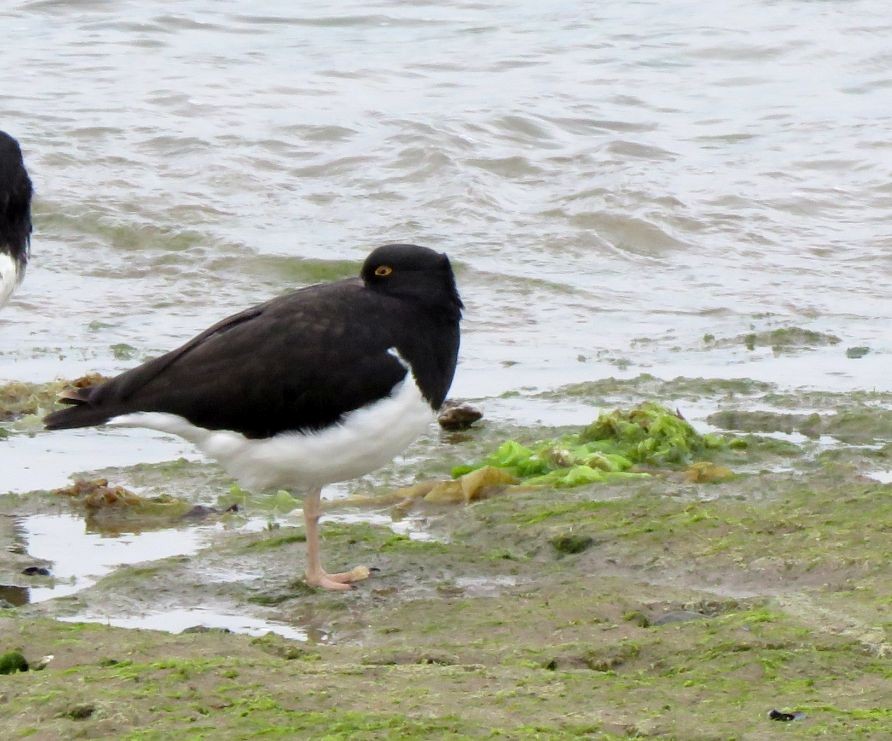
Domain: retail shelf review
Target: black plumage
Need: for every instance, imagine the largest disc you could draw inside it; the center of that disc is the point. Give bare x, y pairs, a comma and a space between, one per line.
15, 210
306, 389
302, 361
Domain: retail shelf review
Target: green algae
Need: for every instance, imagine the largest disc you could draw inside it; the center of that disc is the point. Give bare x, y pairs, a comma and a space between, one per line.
650, 433
12, 662
20, 398
650, 387
786, 339
571, 543
559, 654
269, 543
123, 351
857, 352
561, 647
604, 451
23, 399
760, 421
851, 424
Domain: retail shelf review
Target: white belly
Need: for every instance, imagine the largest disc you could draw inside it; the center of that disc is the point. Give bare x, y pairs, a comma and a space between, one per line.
365, 440
9, 277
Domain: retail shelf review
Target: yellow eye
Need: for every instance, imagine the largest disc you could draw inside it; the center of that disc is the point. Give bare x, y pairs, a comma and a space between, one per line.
383, 270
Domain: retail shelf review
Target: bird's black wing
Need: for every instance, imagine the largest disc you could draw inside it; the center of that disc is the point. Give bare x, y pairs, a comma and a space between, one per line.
299, 362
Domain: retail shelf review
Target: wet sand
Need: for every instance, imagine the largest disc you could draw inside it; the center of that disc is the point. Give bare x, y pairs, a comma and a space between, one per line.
679, 609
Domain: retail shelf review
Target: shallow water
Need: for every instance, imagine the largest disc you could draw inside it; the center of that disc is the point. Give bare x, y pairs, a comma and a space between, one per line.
615, 181
176, 621
52, 537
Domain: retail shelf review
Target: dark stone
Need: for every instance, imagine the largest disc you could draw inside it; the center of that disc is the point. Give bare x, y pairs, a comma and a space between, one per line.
458, 416
785, 717
36, 571
199, 512
638, 618
81, 712
206, 629
572, 543
677, 616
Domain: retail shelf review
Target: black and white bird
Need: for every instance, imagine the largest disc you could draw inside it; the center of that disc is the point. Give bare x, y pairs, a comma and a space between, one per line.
321, 385
15, 216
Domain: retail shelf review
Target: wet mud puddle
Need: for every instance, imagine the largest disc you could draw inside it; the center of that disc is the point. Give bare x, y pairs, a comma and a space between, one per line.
75, 559
79, 558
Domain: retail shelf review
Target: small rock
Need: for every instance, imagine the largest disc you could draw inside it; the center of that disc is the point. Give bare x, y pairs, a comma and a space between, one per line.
409, 657
638, 618
199, 512
80, 712
785, 717
857, 352
572, 543
458, 415
206, 629
43, 663
677, 616
36, 571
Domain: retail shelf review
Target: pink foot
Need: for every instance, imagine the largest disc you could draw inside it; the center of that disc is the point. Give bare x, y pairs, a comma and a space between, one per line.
340, 581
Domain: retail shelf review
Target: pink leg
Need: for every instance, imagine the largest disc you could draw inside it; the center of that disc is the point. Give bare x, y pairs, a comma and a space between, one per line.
316, 575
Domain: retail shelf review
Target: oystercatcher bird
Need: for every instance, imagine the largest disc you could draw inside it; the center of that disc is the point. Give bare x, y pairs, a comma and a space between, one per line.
321, 385
15, 216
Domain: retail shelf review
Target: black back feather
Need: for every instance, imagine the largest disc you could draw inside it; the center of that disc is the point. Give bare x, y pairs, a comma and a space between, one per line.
15, 200
302, 361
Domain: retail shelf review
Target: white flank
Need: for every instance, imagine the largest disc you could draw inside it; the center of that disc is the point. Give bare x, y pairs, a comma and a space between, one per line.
365, 440
9, 277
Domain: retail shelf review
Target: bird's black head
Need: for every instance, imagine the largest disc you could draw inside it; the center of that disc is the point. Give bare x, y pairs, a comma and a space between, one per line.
415, 273
15, 199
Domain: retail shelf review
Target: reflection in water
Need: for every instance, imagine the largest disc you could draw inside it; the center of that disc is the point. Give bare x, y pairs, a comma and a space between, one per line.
80, 558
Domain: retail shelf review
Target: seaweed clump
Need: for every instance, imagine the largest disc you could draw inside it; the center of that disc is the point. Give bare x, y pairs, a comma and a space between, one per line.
605, 451
114, 509
21, 399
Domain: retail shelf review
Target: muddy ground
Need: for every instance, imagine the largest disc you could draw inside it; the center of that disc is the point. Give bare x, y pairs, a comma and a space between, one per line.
655, 607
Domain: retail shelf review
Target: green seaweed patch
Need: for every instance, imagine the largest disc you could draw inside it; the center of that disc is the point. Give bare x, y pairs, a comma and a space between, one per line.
123, 351
279, 502
572, 543
20, 398
650, 433
649, 386
856, 424
12, 662
785, 339
605, 451
857, 352
265, 544
275, 645
115, 509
